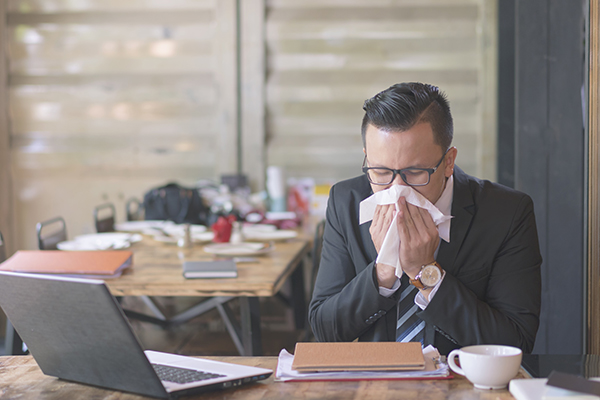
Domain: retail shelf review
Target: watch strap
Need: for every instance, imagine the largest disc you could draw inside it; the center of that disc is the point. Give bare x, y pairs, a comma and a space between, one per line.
417, 281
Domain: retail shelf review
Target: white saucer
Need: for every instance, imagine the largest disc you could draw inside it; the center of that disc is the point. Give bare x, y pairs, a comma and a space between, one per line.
239, 249
140, 226
100, 241
108, 237
201, 237
271, 235
174, 230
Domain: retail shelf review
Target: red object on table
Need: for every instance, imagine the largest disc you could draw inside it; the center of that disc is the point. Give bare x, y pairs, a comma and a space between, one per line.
222, 228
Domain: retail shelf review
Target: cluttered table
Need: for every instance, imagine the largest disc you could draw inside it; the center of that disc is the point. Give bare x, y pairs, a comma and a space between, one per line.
265, 259
157, 271
20, 377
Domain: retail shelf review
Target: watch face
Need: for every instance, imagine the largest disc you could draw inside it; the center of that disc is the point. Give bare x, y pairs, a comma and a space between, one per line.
430, 275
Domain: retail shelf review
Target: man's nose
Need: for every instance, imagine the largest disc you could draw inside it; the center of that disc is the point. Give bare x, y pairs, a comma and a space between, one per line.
398, 181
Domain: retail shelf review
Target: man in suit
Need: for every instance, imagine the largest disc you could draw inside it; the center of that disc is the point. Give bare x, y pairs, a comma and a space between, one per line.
481, 287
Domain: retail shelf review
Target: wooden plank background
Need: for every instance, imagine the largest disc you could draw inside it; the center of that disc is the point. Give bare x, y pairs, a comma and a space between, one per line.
325, 57
108, 98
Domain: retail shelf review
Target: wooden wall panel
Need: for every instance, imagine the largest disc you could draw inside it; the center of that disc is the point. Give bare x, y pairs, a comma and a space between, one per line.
324, 58
7, 221
111, 98
252, 88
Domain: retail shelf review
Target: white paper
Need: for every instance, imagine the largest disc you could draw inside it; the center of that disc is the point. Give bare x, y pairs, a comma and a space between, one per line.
433, 368
389, 253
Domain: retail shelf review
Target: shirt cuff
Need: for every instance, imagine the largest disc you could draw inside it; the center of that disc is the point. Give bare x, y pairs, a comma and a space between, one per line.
421, 300
385, 292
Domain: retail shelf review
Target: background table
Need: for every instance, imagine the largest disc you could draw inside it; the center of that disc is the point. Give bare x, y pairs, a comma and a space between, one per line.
157, 271
20, 377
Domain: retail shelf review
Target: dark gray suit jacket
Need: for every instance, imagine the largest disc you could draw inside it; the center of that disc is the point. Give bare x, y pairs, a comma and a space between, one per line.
492, 289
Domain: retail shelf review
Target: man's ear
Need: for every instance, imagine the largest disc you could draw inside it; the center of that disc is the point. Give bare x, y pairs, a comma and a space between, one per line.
449, 161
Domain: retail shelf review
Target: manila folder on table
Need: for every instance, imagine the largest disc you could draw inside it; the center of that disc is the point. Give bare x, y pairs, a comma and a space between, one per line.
358, 356
103, 263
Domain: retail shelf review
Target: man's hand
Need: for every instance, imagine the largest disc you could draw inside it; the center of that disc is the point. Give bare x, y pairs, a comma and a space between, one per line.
382, 219
419, 237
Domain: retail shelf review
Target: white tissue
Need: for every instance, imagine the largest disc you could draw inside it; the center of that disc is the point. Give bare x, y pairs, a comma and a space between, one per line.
389, 253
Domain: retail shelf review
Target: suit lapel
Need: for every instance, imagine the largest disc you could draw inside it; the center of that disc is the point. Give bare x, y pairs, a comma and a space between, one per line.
463, 208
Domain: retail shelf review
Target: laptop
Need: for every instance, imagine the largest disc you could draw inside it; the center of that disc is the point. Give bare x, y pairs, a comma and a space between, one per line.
76, 331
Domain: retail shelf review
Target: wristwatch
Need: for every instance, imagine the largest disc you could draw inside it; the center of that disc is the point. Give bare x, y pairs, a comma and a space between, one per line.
429, 276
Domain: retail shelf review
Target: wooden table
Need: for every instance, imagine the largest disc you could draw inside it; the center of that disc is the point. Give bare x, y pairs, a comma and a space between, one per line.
157, 271
20, 377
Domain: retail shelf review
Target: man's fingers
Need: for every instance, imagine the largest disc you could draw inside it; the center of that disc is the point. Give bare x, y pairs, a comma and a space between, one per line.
404, 221
427, 219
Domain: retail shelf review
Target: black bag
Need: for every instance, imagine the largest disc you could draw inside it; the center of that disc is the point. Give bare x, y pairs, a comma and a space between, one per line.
175, 203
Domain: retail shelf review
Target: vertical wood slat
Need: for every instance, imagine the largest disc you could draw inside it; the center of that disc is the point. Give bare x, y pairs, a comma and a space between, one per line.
225, 54
487, 151
7, 226
253, 97
593, 299
132, 115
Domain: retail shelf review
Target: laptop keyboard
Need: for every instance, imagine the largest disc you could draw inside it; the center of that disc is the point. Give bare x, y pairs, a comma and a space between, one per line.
182, 375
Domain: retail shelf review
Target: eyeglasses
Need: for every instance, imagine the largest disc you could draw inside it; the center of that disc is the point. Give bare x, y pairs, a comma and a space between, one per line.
410, 176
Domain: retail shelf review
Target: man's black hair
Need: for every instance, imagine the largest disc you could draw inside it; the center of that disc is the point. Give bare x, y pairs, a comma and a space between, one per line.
403, 105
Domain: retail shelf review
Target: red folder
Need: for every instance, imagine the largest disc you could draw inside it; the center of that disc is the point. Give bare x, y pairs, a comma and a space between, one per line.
102, 264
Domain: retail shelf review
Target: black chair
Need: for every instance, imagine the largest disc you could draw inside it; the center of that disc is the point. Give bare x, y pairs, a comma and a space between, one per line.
316, 260
316, 253
13, 345
134, 210
2, 248
59, 234
104, 218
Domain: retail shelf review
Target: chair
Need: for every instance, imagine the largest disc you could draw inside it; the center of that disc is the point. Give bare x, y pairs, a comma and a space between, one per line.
2, 248
50, 241
134, 210
105, 221
13, 345
316, 253
316, 260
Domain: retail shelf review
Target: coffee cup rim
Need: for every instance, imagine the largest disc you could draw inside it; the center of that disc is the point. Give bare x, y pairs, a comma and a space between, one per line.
514, 351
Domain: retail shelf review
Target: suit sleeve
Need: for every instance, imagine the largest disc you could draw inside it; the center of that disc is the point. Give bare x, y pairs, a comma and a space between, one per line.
346, 300
502, 304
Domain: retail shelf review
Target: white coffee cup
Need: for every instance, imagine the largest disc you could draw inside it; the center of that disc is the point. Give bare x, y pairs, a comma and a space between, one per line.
487, 366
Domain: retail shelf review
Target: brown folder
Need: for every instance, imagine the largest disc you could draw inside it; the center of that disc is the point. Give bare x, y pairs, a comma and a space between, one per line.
103, 264
358, 356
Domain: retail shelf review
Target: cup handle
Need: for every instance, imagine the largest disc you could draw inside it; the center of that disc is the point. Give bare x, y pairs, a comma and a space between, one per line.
452, 364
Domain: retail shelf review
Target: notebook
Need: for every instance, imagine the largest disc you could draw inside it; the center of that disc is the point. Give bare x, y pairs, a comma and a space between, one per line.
210, 269
76, 331
358, 356
536, 389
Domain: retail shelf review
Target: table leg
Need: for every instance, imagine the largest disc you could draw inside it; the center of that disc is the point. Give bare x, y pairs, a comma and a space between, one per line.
250, 316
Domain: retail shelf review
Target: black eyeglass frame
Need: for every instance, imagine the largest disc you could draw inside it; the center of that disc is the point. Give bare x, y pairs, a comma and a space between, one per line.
400, 172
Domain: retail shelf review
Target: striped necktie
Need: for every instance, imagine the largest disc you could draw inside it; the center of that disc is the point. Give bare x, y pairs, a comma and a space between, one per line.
409, 328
